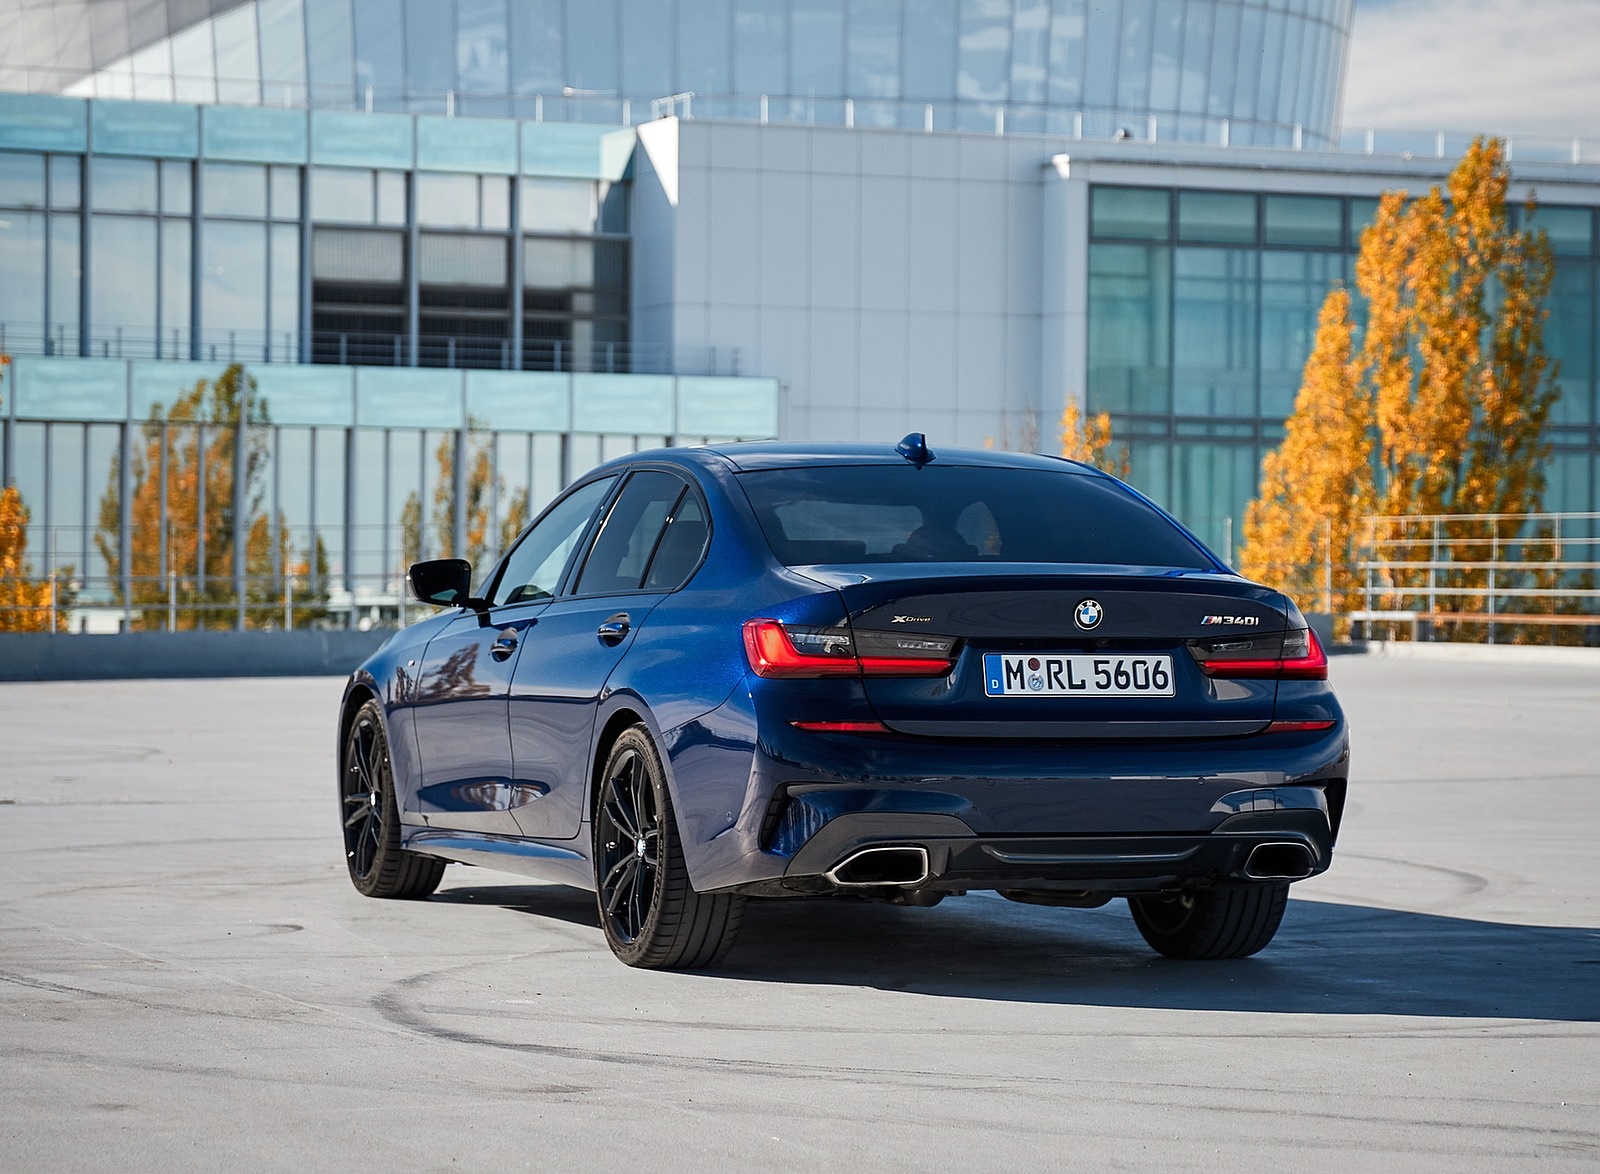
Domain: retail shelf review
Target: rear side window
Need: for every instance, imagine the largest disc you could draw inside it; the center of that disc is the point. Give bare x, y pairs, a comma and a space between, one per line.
629, 536
678, 553
900, 513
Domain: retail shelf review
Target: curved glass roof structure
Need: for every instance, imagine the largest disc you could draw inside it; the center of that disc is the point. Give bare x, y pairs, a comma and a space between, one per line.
1244, 71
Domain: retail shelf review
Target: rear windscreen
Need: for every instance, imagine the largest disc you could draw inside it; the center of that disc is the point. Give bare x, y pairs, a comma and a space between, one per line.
900, 513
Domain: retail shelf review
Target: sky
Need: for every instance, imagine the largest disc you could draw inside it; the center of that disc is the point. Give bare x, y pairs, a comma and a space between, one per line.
1499, 66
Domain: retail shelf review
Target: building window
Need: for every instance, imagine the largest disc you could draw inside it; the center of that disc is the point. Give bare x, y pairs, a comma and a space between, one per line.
1131, 213
465, 307
559, 205
21, 181
1303, 220
123, 185
575, 305
1220, 217
447, 201
22, 253
235, 189
342, 194
358, 297
1130, 328
123, 294
234, 294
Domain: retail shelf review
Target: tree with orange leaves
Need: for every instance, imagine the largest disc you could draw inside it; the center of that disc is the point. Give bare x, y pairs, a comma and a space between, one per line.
1300, 533
1441, 409
1088, 439
478, 492
184, 515
1453, 354
25, 605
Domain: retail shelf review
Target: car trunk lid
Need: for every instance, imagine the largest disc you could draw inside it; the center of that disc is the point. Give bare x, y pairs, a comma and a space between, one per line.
1085, 652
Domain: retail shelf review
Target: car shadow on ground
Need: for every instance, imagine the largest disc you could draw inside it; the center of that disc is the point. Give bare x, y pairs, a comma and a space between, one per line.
1328, 958
560, 902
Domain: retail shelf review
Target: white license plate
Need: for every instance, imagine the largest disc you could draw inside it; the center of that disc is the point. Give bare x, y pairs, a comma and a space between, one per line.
1039, 674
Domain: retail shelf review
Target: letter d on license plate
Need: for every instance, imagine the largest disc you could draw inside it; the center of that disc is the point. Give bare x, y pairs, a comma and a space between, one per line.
1039, 674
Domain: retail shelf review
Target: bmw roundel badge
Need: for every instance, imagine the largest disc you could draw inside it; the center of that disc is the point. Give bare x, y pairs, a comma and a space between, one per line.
1089, 613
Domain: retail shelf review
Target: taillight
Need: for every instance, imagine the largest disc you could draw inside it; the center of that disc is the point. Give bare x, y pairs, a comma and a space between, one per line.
1298, 727
1299, 657
841, 727
779, 650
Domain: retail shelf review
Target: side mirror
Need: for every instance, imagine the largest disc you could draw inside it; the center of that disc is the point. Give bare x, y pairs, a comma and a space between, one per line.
443, 582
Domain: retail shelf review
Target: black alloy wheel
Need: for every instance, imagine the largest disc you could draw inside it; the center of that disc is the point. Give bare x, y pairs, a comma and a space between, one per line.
630, 854
651, 914
379, 867
1232, 922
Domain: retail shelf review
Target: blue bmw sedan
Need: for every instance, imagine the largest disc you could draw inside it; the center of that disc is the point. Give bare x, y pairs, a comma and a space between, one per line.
707, 675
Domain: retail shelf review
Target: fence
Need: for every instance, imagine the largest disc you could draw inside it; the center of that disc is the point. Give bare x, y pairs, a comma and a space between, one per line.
1513, 578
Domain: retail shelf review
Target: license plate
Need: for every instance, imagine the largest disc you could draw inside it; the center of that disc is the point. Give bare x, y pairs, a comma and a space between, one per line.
1048, 675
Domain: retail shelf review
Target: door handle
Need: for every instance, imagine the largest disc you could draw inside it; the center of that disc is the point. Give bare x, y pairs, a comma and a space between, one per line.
615, 630
505, 644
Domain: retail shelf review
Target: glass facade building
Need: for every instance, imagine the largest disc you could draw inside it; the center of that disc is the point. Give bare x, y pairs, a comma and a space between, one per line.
176, 231
430, 317
461, 249
1202, 309
1253, 71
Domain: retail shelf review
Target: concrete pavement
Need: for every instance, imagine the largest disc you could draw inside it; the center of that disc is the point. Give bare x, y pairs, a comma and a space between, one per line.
190, 982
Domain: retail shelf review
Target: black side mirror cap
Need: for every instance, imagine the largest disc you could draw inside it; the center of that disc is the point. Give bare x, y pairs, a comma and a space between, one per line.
444, 582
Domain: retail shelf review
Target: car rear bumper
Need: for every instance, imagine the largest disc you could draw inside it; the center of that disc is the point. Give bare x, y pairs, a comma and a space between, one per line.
1120, 817
1287, 844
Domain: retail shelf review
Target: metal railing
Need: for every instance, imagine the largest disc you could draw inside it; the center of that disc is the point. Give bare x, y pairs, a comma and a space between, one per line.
482, 352
346, 348
132, 342
288, 577
1517, 578
120, 80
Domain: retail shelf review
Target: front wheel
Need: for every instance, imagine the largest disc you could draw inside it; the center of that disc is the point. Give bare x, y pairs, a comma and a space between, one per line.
652, 916
379, 866
1212, 923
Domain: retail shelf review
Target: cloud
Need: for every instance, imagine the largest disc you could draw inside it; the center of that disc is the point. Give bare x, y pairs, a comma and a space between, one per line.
1498, 66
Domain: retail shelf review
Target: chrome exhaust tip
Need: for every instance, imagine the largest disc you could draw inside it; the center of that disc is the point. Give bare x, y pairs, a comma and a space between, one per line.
1280, 861
904, 866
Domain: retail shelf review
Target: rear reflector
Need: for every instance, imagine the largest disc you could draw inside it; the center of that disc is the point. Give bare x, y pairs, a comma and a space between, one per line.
1302, 659
842, 727
1297, 727
772, 651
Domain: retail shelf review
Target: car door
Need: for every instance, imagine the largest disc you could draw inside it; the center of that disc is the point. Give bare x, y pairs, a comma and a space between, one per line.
463, 733
579, 640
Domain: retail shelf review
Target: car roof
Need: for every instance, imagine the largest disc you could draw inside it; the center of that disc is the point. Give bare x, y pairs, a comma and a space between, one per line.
776, 454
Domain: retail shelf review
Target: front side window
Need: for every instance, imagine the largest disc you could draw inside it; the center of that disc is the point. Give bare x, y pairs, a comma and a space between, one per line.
533, 572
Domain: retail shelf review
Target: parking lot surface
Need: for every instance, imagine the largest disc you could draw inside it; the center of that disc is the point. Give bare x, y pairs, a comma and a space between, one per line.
190, 982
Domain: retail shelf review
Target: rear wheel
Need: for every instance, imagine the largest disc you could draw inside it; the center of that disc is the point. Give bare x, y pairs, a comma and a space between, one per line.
652, 916
379, 866
1212, 923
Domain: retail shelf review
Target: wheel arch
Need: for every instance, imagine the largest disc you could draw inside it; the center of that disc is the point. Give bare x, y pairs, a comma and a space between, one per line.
358, 693
629, 711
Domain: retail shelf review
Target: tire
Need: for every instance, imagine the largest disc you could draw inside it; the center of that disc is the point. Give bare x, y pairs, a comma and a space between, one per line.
379, 867
651, 914
1212, 923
